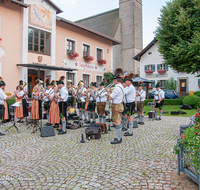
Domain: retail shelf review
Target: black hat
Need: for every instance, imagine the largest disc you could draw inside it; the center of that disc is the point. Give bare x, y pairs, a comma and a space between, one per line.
117, 77
21, 82
102, 84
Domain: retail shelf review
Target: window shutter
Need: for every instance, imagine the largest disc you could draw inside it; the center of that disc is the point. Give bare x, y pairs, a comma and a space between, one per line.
153, 83
145, 68
198, 82
153, 68
166, 67
158, 67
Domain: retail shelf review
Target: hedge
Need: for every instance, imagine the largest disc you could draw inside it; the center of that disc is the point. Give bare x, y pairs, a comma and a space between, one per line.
166, 102
197, 93
192, 100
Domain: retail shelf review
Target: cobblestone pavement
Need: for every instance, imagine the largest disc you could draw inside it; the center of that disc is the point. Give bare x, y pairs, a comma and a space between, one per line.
143, 161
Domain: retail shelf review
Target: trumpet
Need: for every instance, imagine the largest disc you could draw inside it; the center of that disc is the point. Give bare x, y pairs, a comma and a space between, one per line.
24, 85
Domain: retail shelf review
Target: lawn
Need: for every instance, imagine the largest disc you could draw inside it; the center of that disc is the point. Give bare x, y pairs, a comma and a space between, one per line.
170, 108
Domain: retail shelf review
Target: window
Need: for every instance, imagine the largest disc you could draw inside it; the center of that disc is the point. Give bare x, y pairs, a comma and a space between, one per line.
162, 67
71, 77
198, 82
99, 53
99, 79
86, 49
38, 41
153, 84
70, 45
162, 83
86, 80
149, 68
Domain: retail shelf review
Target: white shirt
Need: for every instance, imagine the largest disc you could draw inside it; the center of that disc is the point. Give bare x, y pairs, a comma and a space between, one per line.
130, 94
159, 94
102, 96
38, 94
142, 96
118, 94
47, 92
82, 90
63, 94
125, 93
94, 94
3, 97
21, 93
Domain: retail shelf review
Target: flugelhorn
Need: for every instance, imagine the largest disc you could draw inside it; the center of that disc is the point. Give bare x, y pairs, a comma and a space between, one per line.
24, 84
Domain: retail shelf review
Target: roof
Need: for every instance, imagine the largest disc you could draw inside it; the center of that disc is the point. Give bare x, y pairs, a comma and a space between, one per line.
139, 55
20, 3
115, 42
106, 22
137, 79
58, 10
43, 66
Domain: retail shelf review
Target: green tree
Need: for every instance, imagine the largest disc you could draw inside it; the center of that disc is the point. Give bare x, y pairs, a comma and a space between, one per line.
178, 35
108, 78
171, 84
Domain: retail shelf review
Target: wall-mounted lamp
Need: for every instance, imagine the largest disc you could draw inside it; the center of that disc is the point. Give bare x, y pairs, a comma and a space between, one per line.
108, 50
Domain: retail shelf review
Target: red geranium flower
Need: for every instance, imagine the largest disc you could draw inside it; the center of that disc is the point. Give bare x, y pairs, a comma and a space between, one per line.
196, 127
183, 136
197, 133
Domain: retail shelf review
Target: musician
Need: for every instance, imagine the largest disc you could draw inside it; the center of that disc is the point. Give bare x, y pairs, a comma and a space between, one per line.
19, 113
47, 93
130, 94
124, 115
141, 95
117, 97
54, 112
81, 97
63, 96
92, 102
71, 93
36, 108
101, 103
24, 100
3, 98
159, 99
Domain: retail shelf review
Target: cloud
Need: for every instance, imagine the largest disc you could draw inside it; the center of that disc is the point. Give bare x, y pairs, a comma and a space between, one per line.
69, 2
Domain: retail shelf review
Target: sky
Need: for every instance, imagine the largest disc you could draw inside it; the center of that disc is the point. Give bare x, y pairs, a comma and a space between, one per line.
78, 9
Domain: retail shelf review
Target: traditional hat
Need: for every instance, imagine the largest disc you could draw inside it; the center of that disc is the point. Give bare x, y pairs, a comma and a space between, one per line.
102, 84
2, 83
130, 77
21, 82
140, 83
117, 77
61, 81
158, 84
37, 81
94, 84
53, 82
47, 81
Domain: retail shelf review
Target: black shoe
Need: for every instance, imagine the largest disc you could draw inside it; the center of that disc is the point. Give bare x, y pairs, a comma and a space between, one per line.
113, 126
93, 122
124, 129
158, 119
62, 132
128, 134
59, 130
19, 121
2, 134
116, 141
138, 122
87, 122
48, 124
141, 123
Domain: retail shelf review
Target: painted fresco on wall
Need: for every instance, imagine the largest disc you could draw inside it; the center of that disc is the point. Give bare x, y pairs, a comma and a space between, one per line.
40, 16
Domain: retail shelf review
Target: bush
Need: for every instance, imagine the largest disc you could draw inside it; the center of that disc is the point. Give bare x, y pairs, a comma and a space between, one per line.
172, 102
11, 101
197, 93
192, 100
181, 100
146, 101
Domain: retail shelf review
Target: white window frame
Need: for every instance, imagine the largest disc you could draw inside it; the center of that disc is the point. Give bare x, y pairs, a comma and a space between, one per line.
83, 43
102, 52
90, 77
98, 76
75, 46
75, 77
161, 66
149, 67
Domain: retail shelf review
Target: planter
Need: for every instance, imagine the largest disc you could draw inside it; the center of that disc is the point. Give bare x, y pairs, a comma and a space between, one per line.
88, 58
72, 54
149, 72
101, 61
150, 87
162, 71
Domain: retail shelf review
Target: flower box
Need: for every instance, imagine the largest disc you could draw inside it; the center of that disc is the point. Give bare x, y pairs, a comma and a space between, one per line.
88, 58
162, 71
101, 61
149, 72
150, 87
72, 54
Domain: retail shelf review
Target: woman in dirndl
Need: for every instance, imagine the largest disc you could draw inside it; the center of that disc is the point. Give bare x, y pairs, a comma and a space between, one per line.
19, 110
54, 112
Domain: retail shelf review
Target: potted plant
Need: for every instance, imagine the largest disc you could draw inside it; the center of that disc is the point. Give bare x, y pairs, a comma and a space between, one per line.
161, 71
149, 72
72, 54
88, 57
101, 61
188, 150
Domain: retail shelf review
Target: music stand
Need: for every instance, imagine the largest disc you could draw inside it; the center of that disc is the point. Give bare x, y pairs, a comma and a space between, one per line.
15, 105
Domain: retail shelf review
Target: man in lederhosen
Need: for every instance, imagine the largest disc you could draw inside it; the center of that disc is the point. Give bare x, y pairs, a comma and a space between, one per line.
92, 102
141, 95
124, 115
130, 94
63, 96
117, 97
101, 103
47, 93
159, 99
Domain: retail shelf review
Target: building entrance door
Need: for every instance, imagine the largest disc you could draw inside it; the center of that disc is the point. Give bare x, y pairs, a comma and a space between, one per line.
182, 85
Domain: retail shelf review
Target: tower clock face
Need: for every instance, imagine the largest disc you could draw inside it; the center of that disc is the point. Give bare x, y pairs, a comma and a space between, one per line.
40, 16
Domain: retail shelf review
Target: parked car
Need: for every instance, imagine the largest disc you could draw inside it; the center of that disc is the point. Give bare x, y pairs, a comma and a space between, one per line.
169, 94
